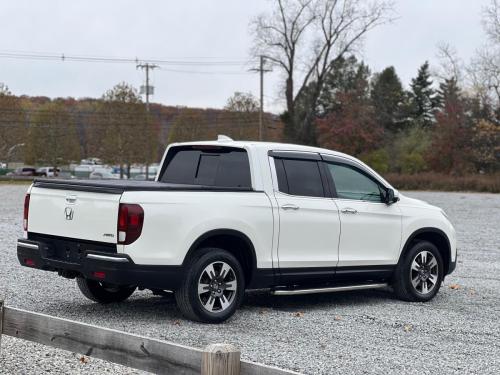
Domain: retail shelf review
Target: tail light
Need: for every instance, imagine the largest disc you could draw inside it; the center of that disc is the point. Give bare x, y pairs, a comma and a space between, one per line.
130, 220
26, 212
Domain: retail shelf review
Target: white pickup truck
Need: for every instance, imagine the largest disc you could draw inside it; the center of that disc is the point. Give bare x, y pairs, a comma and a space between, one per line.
225, 216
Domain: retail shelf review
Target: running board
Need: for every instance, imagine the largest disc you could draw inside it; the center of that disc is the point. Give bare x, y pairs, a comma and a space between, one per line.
290, 292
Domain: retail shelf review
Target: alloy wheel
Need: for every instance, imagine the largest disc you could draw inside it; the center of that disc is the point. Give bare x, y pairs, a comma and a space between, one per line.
217, 287
424, 273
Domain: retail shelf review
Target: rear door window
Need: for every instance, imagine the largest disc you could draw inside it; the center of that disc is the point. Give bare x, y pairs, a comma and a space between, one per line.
299, 177
218, 167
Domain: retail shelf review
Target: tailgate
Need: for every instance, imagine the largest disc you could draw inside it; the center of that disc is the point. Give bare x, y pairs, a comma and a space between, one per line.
83, 215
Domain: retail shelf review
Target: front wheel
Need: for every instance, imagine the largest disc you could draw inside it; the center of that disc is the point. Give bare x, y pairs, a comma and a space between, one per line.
103, 292
419, 275
212, 288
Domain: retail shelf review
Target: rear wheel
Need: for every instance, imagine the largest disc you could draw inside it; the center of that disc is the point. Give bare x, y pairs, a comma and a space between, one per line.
103, 292
420, 273
213, 287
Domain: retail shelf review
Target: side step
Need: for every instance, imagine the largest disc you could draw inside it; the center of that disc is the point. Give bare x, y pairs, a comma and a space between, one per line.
291, 292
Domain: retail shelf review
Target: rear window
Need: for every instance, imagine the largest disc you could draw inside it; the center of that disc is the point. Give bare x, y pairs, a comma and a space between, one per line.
218, 167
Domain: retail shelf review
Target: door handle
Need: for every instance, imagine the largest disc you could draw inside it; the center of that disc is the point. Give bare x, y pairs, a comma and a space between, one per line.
349, 210
289, 207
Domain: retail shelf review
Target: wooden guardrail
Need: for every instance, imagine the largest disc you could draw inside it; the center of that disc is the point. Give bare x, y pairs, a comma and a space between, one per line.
138, 352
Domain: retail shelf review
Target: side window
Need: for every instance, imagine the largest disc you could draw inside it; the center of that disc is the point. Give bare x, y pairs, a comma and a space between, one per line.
351, 183
299, 177
221, 167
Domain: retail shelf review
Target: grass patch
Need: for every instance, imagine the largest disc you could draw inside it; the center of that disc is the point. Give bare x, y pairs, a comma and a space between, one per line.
4, 181
444, 182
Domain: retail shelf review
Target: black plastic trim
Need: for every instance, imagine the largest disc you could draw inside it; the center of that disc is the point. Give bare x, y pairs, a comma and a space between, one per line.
119, 273
449, 268
121, 186
258, 276
283, 154
328, 275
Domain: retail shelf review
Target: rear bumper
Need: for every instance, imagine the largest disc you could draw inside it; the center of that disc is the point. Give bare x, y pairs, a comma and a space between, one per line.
113, 268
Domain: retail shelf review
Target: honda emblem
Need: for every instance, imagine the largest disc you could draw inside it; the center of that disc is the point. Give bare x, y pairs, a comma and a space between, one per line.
69, 213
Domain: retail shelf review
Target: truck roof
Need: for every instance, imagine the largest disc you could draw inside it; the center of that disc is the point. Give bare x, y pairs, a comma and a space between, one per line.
228, 142
225, 141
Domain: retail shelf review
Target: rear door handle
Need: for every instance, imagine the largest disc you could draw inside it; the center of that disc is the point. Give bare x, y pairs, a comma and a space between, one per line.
349, 210
289, 207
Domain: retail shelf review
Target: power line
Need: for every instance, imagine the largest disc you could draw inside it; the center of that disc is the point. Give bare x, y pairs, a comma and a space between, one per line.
103, 59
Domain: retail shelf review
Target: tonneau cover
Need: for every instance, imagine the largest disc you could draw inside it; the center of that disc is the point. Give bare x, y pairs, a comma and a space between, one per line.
120, 186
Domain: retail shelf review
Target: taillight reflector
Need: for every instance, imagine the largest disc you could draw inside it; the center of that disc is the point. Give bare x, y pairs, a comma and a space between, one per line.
29, 262
130, 220
26, 212
99, 274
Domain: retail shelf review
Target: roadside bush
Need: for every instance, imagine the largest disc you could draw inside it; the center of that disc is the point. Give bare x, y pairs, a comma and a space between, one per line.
409, 149
378, 160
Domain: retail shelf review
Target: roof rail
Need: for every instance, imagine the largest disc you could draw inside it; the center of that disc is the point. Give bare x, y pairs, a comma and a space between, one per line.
223, 138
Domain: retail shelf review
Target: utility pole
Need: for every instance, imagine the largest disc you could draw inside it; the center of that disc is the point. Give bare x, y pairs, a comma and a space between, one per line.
261, 114
148, 90
261, 70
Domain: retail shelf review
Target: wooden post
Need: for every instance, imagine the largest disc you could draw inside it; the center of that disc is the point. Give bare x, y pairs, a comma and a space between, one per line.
220, 359
1, 322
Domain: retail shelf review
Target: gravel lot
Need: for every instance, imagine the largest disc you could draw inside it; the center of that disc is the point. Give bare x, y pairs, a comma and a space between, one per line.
358, 332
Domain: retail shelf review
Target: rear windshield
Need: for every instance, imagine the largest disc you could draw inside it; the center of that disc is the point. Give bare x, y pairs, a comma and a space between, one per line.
217, 166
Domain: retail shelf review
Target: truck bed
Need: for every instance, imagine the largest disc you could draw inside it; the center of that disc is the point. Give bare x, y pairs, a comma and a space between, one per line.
120, 186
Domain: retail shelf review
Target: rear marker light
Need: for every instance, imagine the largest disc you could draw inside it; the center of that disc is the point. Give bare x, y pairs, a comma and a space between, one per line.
130, 220
29, 262
99, 275
26, 212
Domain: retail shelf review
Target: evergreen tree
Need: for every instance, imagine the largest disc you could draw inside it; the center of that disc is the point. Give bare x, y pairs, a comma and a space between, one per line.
388, 98
424, 100
349, 123
343, 78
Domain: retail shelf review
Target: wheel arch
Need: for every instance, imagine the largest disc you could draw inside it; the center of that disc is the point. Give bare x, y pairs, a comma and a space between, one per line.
435, 236
233, 241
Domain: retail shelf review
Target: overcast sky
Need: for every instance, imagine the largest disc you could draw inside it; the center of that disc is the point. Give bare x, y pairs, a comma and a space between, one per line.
197, 30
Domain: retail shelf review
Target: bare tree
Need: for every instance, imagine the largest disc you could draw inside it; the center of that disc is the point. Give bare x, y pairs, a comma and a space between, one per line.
303, 38
484, 69
245, 108
451, 66
491, 21
242, 102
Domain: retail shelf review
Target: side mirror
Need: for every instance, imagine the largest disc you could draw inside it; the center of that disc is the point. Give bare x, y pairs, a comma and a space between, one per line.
390, 197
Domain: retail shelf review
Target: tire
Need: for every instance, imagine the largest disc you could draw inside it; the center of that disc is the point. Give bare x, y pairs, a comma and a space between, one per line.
220, 278
419, 274
102, 292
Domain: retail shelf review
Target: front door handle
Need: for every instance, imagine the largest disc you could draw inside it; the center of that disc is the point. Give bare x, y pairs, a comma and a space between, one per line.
289, 207
349, 210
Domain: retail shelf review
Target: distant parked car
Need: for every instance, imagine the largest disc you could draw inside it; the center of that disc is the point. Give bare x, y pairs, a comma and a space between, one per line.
83, 171
25, 171
142, 177
65, 175
48, 172
103, 174
3, 165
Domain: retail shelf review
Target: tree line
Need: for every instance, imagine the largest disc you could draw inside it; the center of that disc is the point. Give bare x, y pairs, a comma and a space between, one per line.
116, 128
447, 121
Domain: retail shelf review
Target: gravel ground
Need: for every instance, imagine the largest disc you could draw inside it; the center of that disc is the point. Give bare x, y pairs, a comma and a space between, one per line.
359, 332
